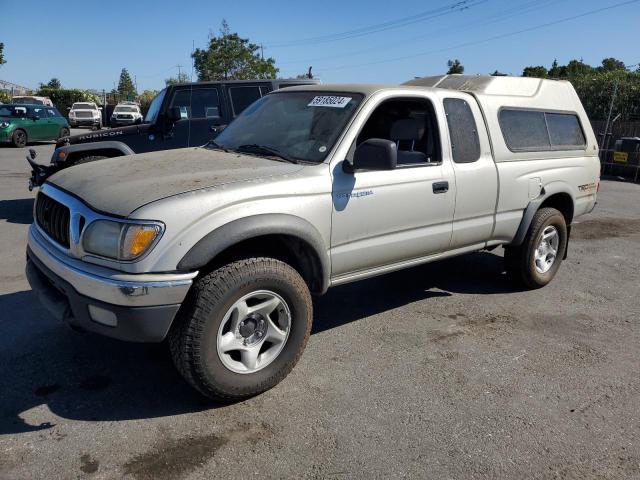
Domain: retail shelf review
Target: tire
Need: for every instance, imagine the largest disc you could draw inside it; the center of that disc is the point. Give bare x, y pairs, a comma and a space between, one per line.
533, 264
195, 338
88, 159
64, 132
19, 138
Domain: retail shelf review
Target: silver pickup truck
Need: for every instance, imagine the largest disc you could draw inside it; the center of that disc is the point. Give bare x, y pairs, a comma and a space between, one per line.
218, 248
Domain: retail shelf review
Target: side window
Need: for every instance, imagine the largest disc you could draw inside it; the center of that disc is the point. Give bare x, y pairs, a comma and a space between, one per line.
182, 99
197, 103
52, 112
409, 123
264, 89
242, 97
465, 143
533, 130
40, 112
565, 130
205, 103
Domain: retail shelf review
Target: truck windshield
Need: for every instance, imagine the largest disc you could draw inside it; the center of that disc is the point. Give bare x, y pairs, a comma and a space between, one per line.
298, 125
154, 107
83, 106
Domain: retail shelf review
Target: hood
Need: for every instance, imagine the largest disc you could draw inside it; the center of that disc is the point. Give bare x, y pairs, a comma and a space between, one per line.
100, 135
120, 185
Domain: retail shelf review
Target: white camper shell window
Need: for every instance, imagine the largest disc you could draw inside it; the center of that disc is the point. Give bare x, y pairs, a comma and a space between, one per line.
536, 130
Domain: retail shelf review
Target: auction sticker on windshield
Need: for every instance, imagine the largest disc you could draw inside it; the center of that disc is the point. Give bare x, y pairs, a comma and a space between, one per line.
329, 101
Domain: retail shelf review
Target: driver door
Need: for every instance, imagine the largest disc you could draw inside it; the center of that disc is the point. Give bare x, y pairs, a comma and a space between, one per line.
386, 218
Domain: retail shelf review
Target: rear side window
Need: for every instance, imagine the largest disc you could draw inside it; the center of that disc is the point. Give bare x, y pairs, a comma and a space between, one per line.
242, 97
534, 130
465, 143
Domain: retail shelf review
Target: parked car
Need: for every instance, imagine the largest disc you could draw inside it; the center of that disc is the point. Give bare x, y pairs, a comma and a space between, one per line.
181, 115
126, 113
218, 248
83, 114
31, 100
20, 124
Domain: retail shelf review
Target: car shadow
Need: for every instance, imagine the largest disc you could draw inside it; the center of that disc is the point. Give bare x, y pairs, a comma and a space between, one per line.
91, 378
18, 210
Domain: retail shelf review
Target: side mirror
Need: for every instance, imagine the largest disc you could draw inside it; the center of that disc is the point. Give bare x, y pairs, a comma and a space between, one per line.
174, 114
68, 108
375, 154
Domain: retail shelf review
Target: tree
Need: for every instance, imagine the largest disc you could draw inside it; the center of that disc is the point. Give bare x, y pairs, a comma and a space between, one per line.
612, 64
145, 98
307, 75
126, 88
230, 57
53, 83
2, 60
538, 72
455, 67
556, 71
181, 78
577, 68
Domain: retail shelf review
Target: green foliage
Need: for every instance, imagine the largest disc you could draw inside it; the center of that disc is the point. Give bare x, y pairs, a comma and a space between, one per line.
181, 78
230, 57
5, 97
63, 98
538, 72
2, 60
126, 88
53, 83
595, 86
145, 98
455, 67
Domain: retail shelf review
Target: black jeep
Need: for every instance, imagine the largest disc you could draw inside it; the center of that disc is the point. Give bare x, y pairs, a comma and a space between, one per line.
181, 115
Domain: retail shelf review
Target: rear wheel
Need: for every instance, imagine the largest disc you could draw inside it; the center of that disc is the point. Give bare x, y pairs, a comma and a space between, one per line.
535, 262
19, 138
242, 328
64, 132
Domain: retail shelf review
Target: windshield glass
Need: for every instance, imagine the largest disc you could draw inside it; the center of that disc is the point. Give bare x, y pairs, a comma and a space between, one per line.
154, 107
300, 125
83, 106
27, 100
125, 109
10, 111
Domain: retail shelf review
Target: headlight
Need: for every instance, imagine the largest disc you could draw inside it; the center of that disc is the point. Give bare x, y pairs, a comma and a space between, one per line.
4, 124
120, 241
72, 113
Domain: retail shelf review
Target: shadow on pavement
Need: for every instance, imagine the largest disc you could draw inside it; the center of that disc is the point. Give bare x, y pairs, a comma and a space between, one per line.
17, 211
90, 378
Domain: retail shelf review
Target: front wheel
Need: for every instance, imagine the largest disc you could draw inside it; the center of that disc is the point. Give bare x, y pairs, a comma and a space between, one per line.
535, 262
242, 328
19, 138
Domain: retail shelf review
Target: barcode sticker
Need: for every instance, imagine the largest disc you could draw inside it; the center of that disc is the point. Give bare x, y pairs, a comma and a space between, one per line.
329, 101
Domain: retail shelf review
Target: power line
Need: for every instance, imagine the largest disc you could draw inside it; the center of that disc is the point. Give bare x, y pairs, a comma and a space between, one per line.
484, 40
512, 12
380, 27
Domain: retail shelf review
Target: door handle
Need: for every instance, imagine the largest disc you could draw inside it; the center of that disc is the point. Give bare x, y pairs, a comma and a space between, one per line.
440, 187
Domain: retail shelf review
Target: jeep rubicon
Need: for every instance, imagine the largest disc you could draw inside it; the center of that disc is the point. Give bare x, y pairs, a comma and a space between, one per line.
181, 115
218, 248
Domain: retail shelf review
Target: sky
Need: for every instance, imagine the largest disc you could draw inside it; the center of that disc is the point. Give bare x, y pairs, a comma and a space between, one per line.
86, 44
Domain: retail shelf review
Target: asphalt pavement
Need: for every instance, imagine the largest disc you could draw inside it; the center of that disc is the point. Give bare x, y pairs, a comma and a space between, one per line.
444, 371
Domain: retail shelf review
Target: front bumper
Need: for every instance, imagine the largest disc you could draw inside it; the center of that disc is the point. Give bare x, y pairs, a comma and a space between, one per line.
137, 308
83, 121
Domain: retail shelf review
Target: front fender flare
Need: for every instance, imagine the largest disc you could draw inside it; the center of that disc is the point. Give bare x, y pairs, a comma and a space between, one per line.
255, 226
123, 148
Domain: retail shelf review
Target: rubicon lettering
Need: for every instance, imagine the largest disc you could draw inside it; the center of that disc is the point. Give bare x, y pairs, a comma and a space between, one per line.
101, 135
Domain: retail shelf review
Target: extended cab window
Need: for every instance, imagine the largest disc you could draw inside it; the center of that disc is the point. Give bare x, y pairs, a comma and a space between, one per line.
465, 143
534, 130
409, 123
242, 97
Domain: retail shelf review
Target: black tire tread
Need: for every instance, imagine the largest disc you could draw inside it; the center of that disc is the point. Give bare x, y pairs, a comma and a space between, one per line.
517, 259
208, 291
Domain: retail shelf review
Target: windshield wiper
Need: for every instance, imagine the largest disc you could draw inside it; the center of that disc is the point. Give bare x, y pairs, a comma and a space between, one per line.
265, 150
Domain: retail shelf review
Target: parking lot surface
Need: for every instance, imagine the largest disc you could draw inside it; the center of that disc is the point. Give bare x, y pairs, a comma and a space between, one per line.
442, 371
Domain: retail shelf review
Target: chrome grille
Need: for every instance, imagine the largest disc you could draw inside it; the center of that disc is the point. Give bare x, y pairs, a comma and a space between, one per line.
125, 116
84, 115
53, 218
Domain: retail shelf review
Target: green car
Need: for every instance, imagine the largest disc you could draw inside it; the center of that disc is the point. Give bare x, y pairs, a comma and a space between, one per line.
20, 124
